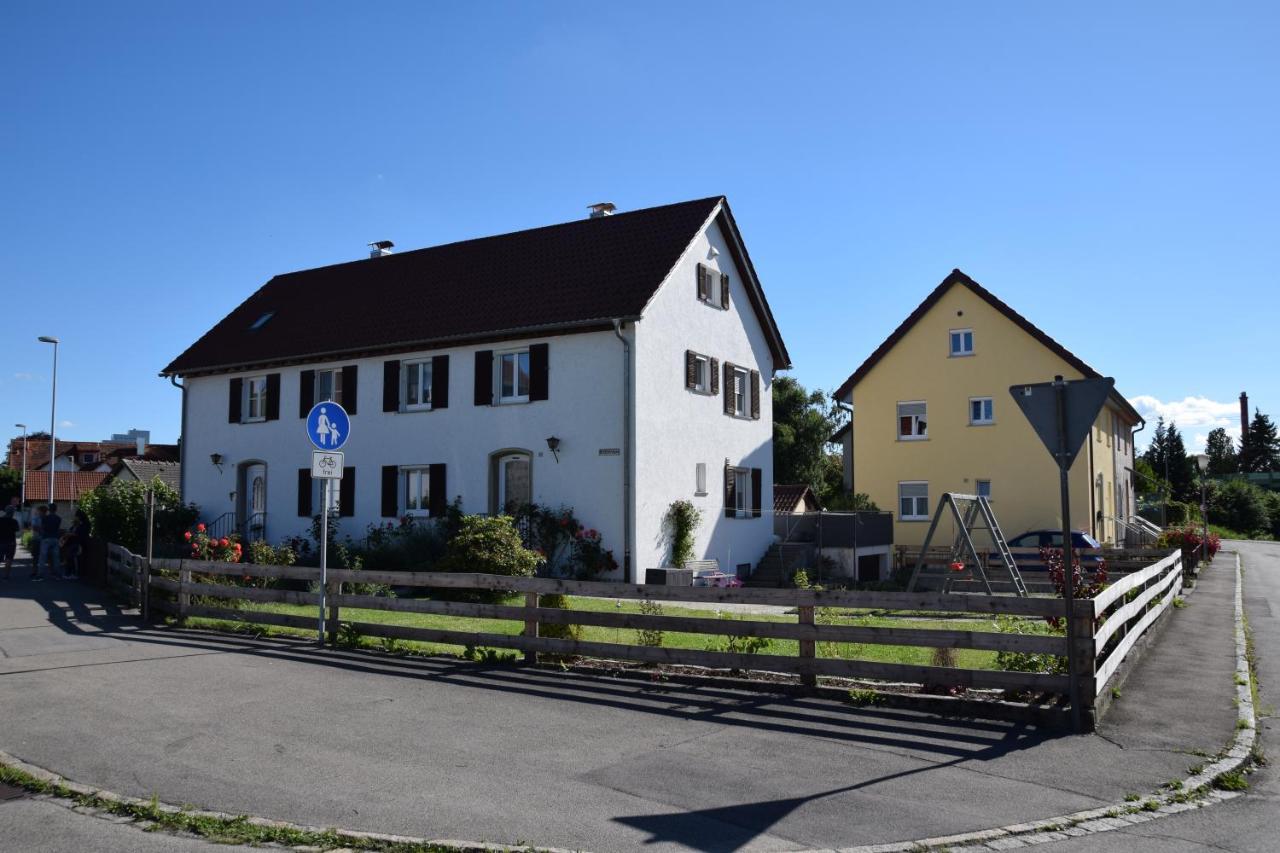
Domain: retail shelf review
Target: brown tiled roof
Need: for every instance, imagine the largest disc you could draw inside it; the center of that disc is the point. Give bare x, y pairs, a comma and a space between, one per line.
38, 451
790, 497
573, 276
67, 485
957, 277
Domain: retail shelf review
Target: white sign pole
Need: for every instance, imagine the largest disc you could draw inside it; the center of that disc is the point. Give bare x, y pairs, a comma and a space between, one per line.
324, 555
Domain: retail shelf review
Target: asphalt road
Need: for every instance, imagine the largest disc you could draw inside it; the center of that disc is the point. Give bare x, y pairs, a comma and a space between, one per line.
1249, 824
446, 749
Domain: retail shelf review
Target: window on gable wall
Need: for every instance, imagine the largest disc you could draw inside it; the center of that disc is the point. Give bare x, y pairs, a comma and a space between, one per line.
913, 421
741, 392
984, 489
961, 342
913, 501
981, 411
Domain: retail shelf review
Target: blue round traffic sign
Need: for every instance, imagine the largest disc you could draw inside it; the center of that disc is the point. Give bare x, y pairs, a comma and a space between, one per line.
328, 426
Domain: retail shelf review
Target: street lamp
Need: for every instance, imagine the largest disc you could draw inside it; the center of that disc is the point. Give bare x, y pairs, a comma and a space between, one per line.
53, 413
1202, 461
23, 487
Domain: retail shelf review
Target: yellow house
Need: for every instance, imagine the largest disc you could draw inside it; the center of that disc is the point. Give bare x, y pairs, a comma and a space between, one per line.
932, 413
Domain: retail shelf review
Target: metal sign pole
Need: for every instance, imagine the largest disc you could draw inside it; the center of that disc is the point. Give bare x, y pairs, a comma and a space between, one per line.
324, 557
1068, 575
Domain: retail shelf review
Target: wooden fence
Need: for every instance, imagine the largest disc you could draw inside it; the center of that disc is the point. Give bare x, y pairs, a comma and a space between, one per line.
1107, 626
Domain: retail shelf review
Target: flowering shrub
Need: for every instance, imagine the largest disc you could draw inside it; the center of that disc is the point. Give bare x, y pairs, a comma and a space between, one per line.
567, 546
1084, 584
1189, 539
225, 549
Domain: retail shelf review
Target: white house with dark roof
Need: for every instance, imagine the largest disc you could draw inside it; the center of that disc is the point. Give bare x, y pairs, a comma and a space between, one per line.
613, 365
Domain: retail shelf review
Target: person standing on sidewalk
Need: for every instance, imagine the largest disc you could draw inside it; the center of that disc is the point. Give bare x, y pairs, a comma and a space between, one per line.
77, 545
50, 530
8, 540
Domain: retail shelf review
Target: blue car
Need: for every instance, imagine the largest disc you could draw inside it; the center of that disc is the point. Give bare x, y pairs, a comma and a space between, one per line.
1080, 541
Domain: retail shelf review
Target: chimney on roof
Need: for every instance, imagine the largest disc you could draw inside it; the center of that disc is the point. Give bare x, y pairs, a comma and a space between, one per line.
601, 209
379, 248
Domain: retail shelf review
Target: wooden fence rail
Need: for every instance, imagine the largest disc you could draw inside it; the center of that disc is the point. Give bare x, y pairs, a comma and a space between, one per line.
1108, 626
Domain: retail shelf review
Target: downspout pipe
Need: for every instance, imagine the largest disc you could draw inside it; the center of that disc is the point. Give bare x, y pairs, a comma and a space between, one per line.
182, 440
626, 454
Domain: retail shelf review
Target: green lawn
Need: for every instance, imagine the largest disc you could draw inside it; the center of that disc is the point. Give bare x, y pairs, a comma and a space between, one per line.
965, 658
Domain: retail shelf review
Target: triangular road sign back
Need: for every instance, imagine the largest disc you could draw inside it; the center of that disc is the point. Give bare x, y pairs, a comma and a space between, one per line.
1083, 399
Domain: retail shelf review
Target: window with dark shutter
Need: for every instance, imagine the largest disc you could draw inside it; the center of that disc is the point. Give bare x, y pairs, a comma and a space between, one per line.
306, 392
235, 393
390, 491
438, 499
724, 290
440, 382
391, 386
347, 493
728, 388
484, 378
273, 396
755, 395
304, 492
349, 389
730, 493
539, 375
715, 376
690, 369
757, 480
701, 290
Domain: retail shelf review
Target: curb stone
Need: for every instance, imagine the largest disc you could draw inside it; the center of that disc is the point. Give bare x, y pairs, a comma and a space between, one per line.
1012, 837
1113, 817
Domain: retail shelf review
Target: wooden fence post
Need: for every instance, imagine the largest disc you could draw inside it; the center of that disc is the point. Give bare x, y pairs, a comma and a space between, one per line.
332, 588
531, 625
808, 648
1086, 618
184, 597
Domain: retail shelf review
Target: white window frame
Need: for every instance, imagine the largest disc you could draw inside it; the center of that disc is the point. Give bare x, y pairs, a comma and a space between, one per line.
423, 367
703, 363
977, 488
421, 476
334, 375
700, 479
959, 334
916, 515
498, 361
986, 420
741, 402
708, 276
742, 492
250, 398
915, 421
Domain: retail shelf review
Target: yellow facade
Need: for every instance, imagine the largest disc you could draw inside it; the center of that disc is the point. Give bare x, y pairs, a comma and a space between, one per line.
955, 454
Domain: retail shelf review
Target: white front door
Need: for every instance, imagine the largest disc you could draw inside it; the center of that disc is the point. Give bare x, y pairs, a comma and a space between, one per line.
515, 481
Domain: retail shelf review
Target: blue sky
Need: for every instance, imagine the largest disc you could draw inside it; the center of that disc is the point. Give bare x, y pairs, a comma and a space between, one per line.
1110, 172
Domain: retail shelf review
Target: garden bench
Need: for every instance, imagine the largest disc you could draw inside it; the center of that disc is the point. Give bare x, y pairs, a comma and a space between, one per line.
707, 573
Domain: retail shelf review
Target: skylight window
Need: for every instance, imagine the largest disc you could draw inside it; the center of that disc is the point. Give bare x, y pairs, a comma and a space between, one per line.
261, 321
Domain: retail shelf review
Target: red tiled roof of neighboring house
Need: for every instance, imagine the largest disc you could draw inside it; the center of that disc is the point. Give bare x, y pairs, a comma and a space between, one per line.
791, 497
575, 276
958, 277
108, 451
67, 485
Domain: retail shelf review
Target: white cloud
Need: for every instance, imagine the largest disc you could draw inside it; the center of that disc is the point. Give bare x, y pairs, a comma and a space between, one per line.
25, 377
1195, 417
64, 424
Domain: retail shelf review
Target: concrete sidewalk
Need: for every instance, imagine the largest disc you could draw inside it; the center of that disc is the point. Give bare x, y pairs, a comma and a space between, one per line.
444, 749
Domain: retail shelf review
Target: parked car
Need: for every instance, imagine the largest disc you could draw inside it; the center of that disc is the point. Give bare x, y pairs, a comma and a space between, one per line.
1037, 539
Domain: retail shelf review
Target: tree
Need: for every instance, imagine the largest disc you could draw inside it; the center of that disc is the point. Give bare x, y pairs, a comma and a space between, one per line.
1260, 449
117, 512
1221, 451
1167, 455
10, 485
1240, 506
1148, 484
802, 422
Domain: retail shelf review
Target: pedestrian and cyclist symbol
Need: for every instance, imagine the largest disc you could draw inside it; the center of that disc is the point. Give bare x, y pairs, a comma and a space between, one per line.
328, 427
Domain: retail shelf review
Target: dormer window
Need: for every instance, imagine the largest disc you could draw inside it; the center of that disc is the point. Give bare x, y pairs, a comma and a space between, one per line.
262, 321
961, 342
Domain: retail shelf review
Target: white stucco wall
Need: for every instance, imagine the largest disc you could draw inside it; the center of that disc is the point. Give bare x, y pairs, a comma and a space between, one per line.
676, 428
584, 411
